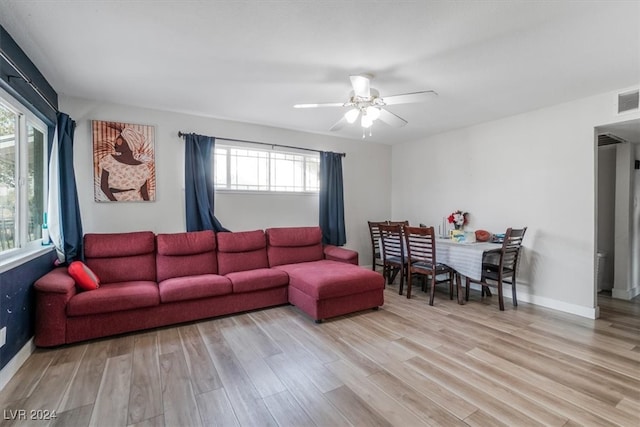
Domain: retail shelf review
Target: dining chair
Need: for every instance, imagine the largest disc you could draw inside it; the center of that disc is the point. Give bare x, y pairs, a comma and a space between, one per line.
505, 270
389, 222
374, 232
393, 256
421, 259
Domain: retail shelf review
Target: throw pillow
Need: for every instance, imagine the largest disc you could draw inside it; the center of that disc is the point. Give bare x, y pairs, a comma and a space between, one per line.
84, 277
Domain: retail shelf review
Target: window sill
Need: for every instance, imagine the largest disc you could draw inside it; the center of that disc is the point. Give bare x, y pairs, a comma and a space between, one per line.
268, 193
24, 256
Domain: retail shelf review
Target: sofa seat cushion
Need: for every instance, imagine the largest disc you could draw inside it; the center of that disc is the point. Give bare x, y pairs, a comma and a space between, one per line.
255, 280
326, 279
114, 297
193, 287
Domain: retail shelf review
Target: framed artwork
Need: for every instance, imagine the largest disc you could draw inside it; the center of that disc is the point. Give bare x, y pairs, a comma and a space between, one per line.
124, 168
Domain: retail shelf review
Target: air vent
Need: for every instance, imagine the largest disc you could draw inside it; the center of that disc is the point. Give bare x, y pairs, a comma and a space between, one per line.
628, 101
609, 139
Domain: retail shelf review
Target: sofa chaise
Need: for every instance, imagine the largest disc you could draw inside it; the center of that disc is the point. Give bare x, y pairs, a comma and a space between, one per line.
150, 280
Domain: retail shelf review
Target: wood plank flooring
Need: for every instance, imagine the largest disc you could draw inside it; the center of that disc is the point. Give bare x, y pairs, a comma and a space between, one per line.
407, 364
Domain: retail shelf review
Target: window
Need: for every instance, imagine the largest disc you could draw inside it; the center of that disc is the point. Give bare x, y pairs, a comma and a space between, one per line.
23, 176
250, 169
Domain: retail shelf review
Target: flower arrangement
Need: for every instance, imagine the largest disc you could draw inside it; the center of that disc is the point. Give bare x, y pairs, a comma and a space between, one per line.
459, 219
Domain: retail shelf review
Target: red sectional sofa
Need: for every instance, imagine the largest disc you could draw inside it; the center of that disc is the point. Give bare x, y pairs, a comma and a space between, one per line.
150, 280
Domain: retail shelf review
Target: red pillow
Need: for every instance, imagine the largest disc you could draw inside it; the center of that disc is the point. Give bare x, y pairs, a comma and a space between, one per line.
84, 277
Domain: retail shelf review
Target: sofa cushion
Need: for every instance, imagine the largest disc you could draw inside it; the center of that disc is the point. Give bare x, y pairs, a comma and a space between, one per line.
330, 279
242, 241
83, 276
255, 280
294, 245
187, 243
106, 245
241, 251
114, 297
186, 254
121, 257
193, 287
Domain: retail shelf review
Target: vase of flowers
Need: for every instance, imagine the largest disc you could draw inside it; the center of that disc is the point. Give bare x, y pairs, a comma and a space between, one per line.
459, 219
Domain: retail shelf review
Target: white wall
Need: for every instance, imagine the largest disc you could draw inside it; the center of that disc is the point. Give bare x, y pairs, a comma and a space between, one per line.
623, 221
366, 171
606, 210
635, 248
535, 169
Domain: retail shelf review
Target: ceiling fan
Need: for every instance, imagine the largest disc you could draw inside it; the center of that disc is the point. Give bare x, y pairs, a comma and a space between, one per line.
366, 103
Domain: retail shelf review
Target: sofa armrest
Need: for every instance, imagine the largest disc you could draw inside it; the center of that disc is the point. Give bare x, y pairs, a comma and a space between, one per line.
53, 292
56, 281
336, 253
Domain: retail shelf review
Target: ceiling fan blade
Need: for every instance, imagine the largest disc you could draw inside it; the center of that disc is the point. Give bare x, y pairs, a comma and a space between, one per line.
408, 98
324, 104
391, 119
339, 124
361, 86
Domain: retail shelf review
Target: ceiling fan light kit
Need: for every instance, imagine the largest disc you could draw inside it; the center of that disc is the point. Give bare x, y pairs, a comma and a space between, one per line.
352, 115
365, 102
366, 121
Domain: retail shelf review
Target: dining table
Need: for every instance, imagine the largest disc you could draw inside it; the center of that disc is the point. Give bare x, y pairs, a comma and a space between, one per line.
465, 257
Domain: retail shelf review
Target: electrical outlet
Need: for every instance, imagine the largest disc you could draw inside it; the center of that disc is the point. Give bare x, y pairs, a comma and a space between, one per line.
3, 336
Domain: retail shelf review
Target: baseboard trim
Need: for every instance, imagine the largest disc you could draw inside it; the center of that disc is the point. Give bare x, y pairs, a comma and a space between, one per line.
626, 294
579, 310
588, 312
11, 368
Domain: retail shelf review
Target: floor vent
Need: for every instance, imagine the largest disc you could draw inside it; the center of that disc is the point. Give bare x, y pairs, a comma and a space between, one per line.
609, 139
628, 101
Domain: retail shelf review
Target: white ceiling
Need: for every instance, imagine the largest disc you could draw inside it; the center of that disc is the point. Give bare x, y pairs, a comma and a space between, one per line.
250, 61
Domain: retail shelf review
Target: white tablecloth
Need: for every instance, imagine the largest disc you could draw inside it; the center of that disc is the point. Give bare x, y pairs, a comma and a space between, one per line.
465, 258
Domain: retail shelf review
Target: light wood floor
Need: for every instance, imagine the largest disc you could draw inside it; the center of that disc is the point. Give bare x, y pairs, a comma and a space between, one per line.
407, 364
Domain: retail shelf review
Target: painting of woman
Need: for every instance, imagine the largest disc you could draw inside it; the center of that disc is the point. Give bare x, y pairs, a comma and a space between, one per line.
124, 167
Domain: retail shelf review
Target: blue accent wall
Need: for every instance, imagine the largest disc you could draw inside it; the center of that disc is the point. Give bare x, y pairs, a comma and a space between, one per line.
17, 303
12, 82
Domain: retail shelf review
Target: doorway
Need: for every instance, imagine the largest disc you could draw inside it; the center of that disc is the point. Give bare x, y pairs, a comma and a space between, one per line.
618, 211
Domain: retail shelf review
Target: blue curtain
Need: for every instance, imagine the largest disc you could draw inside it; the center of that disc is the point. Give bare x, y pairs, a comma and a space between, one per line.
332, 199
198, 181
70, 220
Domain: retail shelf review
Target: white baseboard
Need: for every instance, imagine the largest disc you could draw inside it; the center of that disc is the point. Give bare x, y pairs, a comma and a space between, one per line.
579, 310
15, 363
588, 312
625, 294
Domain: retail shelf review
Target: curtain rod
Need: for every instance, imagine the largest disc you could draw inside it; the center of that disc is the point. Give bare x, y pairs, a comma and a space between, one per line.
181, 134
24, 77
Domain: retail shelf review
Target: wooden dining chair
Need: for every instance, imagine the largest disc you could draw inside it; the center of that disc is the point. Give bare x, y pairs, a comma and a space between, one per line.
406, 222
374, 232
421, 259
504, 271
393, 256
